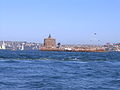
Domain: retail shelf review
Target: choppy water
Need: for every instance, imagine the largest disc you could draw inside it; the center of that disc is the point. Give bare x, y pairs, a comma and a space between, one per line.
37, 70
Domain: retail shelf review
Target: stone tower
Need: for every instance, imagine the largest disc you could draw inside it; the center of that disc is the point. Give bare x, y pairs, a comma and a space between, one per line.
49, 42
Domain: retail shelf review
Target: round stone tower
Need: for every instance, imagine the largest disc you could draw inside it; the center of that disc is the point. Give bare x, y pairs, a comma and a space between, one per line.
49, 42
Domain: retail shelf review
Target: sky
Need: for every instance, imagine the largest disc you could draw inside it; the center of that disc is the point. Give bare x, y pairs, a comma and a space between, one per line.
69, 21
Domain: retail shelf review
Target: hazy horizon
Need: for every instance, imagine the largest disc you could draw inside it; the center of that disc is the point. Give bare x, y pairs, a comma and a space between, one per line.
69, 21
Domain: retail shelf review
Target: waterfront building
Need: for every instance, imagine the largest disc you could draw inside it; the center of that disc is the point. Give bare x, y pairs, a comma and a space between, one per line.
3, 46
50, 45
19, 45
50, 42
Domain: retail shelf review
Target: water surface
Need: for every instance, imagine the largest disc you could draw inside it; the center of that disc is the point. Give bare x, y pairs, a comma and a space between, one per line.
38, 70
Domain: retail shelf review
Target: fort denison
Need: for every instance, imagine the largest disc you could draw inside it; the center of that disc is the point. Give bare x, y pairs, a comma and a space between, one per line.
50, 45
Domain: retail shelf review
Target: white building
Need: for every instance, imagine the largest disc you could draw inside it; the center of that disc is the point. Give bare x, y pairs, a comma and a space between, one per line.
3, 46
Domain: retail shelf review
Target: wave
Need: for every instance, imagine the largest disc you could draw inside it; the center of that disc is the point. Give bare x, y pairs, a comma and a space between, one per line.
74, 56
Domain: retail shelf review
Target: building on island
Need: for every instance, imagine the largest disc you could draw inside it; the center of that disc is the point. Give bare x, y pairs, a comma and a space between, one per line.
49, 42
50, 45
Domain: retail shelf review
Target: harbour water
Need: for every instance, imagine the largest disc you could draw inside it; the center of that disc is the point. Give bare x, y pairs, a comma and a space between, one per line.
42, 70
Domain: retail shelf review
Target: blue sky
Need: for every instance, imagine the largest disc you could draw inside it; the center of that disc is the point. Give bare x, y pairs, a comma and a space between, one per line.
69, 21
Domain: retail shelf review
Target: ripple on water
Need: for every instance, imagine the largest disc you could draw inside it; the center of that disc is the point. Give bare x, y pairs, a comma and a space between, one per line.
36, 70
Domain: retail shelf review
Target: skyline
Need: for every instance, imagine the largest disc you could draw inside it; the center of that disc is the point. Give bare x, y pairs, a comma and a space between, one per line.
69, 21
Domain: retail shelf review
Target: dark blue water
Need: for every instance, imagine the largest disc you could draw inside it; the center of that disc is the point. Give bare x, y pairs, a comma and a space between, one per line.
38, 70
